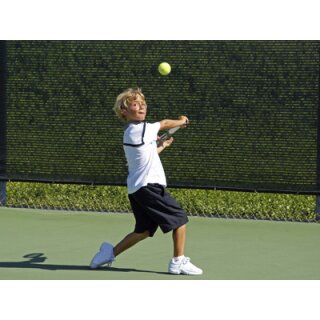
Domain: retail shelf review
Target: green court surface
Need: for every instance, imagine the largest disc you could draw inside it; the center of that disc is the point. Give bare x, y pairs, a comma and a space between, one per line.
43, 244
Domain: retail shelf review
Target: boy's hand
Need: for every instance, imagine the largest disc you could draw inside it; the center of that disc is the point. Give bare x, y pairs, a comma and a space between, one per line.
168, 142
162, 144
185, 121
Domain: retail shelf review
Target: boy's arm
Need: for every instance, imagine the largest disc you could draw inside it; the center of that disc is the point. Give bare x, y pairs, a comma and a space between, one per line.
168, 123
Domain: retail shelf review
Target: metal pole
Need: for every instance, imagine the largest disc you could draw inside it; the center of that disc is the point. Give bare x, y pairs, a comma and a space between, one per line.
318, 207
3, 193
318, 150
3, 121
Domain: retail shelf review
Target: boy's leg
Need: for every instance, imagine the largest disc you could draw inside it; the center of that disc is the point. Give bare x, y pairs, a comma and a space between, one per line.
107, 252
180, 264
128, 241
179, 239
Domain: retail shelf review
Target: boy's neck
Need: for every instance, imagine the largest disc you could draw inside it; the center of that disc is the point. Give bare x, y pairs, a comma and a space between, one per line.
135, 122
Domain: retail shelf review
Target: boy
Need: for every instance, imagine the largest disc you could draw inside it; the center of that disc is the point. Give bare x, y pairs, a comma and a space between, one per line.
152, 206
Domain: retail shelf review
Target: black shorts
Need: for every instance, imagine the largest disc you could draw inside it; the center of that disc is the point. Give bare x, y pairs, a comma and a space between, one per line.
154, 207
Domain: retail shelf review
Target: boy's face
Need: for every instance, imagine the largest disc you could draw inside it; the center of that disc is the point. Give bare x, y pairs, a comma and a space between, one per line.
136, 111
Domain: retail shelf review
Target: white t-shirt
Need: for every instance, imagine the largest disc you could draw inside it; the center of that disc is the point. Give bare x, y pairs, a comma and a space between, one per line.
140, 147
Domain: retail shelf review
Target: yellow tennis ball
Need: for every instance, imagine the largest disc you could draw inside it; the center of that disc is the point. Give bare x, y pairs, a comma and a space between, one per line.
164, 68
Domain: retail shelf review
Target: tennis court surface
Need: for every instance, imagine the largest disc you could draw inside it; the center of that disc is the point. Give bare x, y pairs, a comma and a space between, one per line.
44, 244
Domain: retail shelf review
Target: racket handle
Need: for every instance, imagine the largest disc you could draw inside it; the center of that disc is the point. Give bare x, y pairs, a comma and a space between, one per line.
173, 130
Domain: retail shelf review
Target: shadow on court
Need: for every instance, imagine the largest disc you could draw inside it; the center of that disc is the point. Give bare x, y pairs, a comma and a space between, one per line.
36, 259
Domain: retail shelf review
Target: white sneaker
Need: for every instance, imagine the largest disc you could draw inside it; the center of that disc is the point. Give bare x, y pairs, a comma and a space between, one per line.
183, 267
104, 256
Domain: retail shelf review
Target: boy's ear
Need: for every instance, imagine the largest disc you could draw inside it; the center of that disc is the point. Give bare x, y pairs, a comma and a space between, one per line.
123, 110
124, 114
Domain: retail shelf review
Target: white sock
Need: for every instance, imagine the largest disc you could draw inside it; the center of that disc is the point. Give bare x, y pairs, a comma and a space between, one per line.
178, 259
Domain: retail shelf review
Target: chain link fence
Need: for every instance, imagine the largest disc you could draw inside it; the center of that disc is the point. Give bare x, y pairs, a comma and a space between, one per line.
253, 105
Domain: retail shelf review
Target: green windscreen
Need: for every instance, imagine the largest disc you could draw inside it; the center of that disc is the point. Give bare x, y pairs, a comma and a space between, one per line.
253, 110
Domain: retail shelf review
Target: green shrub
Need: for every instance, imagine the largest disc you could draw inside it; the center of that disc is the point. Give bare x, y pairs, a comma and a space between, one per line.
194, 201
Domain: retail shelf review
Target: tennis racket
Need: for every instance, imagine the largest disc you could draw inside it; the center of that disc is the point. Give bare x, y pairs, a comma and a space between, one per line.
168, 134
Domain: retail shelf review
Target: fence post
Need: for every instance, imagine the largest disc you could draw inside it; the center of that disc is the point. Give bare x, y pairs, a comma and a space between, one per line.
3, 121
317, 207
3, 193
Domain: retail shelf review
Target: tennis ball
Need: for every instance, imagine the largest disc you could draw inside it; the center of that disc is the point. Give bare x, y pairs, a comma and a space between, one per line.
164, 68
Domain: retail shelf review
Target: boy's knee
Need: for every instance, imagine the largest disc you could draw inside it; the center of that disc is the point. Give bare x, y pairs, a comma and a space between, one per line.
146, 234
143, 235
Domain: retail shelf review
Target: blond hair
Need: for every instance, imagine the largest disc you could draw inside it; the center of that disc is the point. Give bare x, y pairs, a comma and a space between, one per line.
124, 99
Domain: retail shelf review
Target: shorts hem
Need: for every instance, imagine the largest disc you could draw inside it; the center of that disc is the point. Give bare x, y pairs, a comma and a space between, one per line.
151, 232
171, 228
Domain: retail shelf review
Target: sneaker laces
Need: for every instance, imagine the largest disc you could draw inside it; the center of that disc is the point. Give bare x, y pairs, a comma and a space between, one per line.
186, 260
